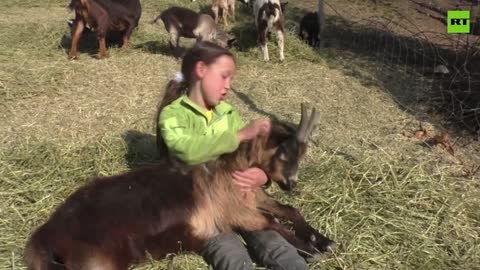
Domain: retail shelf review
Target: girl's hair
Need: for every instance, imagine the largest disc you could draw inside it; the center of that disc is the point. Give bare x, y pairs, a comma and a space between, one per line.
203, 51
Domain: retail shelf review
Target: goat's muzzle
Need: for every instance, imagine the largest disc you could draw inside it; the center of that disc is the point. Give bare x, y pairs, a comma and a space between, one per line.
287, 185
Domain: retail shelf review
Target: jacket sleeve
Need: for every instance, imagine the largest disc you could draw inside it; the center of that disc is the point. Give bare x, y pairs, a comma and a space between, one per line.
194, 148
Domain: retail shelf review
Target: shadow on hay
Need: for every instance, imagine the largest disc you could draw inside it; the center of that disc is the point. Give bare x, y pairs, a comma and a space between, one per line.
252, 106
158, 47
88, 42
141, 149
454, 96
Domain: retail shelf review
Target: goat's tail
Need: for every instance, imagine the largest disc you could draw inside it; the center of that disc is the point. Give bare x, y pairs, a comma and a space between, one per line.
156, 19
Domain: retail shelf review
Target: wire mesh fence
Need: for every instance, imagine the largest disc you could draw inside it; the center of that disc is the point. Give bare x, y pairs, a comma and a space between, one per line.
411, 36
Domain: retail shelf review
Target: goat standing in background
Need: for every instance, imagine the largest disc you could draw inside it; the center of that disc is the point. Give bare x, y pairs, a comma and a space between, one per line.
184, 22
112, 222
309, 29
104, 16
268, 17
228, 8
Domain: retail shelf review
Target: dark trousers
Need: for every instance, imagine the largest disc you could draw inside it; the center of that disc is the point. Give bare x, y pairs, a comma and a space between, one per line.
267, 248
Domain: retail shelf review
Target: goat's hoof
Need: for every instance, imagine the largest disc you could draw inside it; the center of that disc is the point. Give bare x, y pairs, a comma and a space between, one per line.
72, 57
315, 251
321, 243
316, 240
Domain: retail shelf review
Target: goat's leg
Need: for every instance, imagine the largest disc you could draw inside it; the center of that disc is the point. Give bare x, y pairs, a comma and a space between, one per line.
88, 257
103, 46
174, 40
305, 249
215, 13
126, 35
302, 229
232, 11
280, 42
252, 220
262, 39
225, 13
77, 29
102, 33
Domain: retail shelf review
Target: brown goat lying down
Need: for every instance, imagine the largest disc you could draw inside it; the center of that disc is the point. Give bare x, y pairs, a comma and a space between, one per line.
111, 222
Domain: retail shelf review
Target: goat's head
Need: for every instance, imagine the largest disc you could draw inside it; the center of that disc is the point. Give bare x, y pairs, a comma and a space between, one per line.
285, 147
222, 38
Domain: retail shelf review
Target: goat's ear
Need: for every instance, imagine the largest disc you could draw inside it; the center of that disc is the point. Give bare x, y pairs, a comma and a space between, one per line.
70, 23
283, 5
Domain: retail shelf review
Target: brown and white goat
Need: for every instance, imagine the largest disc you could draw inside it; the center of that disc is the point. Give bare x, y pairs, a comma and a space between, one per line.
112, 222
269, 17
184, 22
228, 8
104, 16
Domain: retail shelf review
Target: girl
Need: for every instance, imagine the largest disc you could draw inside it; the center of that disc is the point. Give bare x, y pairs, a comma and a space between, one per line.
195, 125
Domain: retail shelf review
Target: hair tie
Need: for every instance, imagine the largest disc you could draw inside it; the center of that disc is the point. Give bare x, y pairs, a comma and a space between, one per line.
179, 77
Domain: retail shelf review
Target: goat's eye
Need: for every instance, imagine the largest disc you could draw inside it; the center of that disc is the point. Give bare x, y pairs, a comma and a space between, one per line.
283, 157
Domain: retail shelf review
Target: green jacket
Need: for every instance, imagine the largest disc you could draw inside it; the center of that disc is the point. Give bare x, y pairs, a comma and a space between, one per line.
189, 136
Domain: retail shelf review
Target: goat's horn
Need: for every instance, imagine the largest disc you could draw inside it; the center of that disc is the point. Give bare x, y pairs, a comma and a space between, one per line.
302, 127
313, 121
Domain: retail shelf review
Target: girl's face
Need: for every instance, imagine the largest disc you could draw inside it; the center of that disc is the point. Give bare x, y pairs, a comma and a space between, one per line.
215, 79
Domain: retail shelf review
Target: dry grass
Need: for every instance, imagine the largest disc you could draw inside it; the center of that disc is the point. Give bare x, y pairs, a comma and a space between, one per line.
391, 201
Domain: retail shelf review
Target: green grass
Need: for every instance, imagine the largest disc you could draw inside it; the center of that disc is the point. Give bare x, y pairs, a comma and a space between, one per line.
389, 200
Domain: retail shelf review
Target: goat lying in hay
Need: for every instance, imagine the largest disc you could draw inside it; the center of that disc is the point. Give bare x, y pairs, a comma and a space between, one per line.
104, 16
184, 22
111, 222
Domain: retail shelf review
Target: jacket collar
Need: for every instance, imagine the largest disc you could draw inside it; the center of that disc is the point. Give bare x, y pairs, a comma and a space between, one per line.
221, 109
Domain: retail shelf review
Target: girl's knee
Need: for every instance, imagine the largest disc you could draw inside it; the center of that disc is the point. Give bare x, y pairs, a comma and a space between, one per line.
273, 251
226, 252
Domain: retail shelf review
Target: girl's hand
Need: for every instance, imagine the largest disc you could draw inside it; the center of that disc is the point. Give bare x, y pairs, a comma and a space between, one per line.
250, 179
255, 128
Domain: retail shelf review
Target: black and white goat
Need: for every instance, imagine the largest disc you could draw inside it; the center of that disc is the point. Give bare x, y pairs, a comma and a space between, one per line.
269, 17
184, 22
